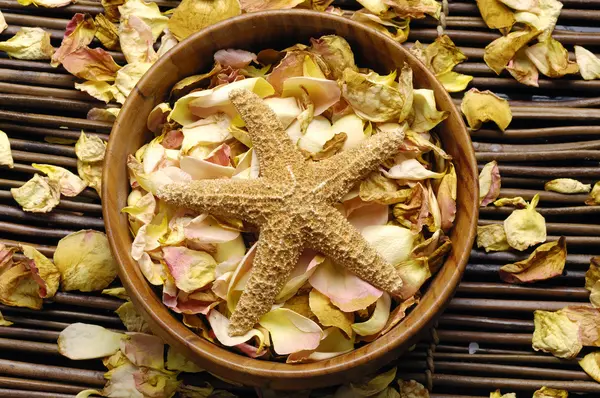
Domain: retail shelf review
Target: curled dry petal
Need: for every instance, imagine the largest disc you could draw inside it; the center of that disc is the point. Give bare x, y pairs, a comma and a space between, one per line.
498, 53
332, 344
101, 91
492, 238
147, 12
6, 158
191, 269
345, 290
323, 93
551, 58
594, 197
106, 32
30, 44
369, 386
103, 115
219, 325
399, 313
546, 392
328, 314
91, 64
517, 202
38, 195
556, 333
522, 69
592, 277
371, 100
135, 38
489, 183
589, 64
446, 198
591, 365
179, 362
416, 9
91, 173
84, 341
262, 5
193, 15
567, 185
79, 33
129, 75
496, 15
410, 169
380, 189
90, 148
427, 116
414, 273
234, 58
412, 389
4, 322
485, 106
378, 319
85, 261
498, 394
18, 288
158, 117
541, 15
68, 183
392, 242
547, 261
143, 350
387, 23
46, 3
43, 270
525, 227
442, 55
132, 320
291, 332
3, 24
336, 53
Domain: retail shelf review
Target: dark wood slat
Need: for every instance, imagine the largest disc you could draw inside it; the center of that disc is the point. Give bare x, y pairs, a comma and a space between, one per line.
493, 383
52, 218
477, 304
28, 346
37, 385
47, 372
505, 289
54, 121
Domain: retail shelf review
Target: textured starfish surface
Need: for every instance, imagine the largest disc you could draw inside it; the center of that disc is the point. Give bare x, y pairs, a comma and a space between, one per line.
292, 203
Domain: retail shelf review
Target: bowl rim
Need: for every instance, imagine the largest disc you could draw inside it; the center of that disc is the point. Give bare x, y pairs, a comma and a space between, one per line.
262, 369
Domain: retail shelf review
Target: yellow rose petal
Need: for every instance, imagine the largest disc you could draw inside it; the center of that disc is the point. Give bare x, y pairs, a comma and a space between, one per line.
525, 227
556, 333
498, 53
589, 64
5, 152
30, 44
567, 185
85, 261
547, 261
328, 314
485, 106
551, 58
492, 238
38, 195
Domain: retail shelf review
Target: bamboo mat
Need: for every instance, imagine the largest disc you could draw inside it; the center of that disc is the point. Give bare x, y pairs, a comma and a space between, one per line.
555, 133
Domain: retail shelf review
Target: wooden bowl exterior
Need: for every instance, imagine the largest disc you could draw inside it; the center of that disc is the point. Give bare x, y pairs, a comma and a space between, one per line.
279, 29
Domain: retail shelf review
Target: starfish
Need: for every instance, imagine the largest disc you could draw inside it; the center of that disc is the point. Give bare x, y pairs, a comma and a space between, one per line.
292, 204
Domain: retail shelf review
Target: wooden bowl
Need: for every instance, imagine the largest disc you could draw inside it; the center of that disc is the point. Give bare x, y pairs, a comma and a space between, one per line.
280, 29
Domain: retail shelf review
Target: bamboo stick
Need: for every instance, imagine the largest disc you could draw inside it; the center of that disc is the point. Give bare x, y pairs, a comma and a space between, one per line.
25, 130
547, 211
34, 232
492, 383
511, 257
67, 10
41, 147
22, 64
66, 205
490, 272
528, 359
447, 321
10, 393
496, 338
508, 148
505, 289
537, 156
568, 229
52, 218
472, 304
496, 83
482, 350
28, 157
28, 346
37, 385
545, 196
532, 133
37, 78
54, 121
65, 314
86, 300
510, 370
47, 372
30, 334
553, 172
20, 321
73, 94
21, 101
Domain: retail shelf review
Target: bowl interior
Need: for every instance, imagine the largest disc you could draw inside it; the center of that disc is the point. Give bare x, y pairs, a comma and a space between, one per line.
254, 32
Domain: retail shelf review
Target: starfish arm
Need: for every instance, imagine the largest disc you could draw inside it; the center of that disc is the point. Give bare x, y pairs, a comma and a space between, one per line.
342, 243
277, 253
338, 174
272, 144
222, 197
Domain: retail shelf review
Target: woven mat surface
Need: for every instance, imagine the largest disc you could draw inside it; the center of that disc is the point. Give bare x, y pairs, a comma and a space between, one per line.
555, 133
